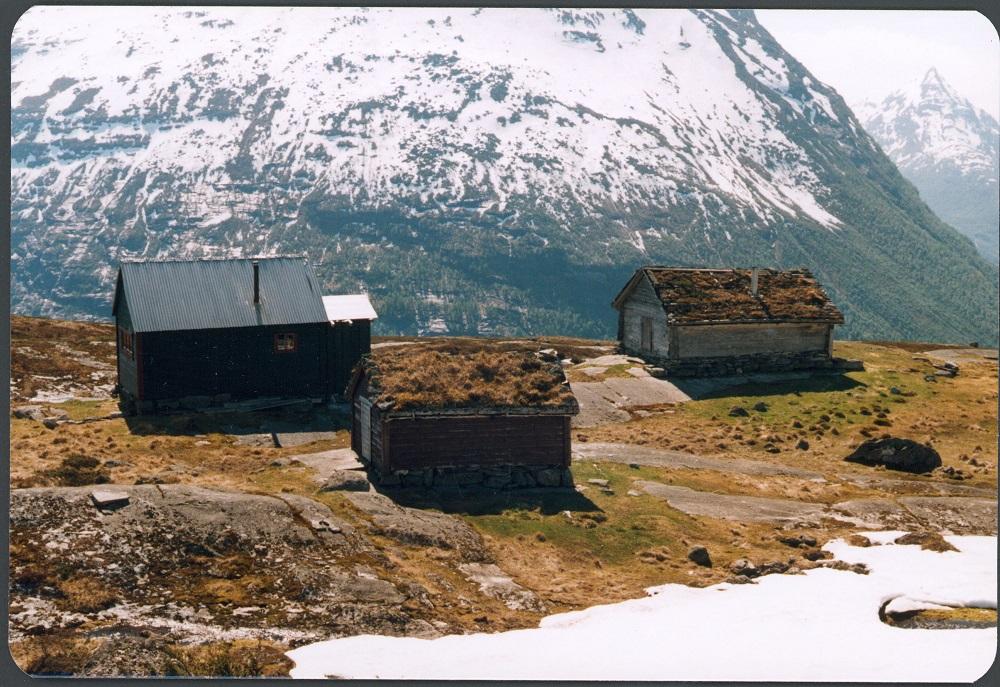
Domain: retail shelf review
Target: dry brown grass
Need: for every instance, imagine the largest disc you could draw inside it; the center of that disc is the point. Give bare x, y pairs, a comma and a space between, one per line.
452, 376
67, 655
86, 595
240, 658
48, 655
956, 416
42, 347
724, 295
77, 470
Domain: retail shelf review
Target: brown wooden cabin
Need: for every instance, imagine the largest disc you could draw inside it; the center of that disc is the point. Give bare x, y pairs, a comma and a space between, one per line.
704, 322
437, 416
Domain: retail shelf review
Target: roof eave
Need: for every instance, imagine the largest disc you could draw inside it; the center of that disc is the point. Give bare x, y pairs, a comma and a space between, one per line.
783, 320
628, 288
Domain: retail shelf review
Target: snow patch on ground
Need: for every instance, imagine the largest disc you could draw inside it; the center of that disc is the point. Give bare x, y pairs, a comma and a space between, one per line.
822, 625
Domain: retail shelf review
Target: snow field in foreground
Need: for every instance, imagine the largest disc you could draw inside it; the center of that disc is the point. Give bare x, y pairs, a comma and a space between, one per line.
821, 625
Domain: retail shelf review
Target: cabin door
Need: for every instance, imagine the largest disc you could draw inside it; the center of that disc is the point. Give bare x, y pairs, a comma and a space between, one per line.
646, 340
366, 427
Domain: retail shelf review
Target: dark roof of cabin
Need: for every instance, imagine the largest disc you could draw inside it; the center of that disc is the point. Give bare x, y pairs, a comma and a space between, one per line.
173, 295
446, 376
692, 296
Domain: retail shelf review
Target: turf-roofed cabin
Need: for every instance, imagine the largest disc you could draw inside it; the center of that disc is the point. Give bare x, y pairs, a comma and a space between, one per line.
440, 416
195, 333
704, 322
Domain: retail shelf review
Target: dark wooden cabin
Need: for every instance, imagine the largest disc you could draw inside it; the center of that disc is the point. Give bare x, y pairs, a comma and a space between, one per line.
201, 332
436, 415
702, 322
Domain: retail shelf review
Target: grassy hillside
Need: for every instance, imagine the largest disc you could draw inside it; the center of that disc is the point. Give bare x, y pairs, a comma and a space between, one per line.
605, 541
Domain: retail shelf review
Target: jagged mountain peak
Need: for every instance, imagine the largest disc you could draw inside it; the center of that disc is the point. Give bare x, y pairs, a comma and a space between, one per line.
484, 171
948, 148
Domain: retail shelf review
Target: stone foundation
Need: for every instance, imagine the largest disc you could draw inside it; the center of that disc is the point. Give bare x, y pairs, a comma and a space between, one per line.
499, 477
743, 364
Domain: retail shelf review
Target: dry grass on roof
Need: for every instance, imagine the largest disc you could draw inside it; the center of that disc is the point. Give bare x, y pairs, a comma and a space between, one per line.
724, 295
462, 376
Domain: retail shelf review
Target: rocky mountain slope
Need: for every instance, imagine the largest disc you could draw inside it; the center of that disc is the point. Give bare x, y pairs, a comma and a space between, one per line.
484, 171
948, 148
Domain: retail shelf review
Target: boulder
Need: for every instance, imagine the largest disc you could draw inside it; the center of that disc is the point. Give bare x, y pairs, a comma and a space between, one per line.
109, 499
699, 555
760, 407
738, 411
931, 541
548, 354
416, 527
905, 455
798, 541
346, 480
29, 413
743, 567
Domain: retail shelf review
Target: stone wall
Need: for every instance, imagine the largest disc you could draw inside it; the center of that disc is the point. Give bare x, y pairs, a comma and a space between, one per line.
744, 364
496, 477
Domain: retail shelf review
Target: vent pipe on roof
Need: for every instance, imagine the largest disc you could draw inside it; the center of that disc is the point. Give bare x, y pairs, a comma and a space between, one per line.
754, 274
256, 282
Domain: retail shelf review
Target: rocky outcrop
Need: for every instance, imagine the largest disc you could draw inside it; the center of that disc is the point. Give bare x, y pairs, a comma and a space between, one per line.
420, 527
195, 563
896, 454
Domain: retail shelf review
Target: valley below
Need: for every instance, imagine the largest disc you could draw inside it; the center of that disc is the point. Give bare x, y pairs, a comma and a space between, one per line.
214, 543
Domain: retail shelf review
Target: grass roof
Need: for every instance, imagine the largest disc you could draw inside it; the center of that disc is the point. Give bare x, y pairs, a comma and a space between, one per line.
456, 375
690, 295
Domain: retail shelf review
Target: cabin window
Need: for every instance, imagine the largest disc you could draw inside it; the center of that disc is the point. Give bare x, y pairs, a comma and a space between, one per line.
285, 343
126, 340
647, 333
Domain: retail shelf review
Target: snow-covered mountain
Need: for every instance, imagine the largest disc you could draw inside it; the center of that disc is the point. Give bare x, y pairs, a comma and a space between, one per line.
491, 170
948, 148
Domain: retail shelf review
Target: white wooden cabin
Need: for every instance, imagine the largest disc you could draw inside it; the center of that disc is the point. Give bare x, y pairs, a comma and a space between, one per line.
698, 322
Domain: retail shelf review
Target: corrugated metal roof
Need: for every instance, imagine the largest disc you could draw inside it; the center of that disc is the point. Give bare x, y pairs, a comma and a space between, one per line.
355, 306
174, 295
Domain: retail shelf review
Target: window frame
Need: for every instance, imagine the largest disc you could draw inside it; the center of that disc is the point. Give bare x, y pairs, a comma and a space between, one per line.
282, 340
126, 342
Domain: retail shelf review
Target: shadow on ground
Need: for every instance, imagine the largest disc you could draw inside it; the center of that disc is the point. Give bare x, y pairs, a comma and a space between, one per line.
765, 385
482, 501
275, 421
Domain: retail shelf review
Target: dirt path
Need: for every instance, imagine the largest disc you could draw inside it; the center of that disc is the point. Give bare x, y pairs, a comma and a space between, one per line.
642, 455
